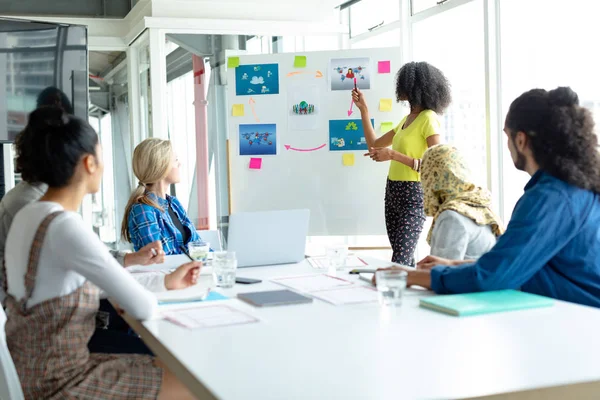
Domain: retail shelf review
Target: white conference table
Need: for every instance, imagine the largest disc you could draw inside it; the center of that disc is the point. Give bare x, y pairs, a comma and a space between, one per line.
363, 351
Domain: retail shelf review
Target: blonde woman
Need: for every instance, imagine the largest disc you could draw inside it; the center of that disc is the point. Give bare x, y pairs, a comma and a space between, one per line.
464, 226
152, 214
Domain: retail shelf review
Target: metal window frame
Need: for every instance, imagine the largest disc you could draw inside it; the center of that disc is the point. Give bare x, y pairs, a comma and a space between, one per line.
133, 89
440, 8
385, 27
493, 84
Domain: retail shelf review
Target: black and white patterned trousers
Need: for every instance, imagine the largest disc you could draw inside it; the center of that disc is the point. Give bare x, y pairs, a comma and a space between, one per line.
404, 219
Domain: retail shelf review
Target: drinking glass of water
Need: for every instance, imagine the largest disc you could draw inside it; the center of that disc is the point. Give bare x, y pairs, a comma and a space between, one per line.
390, 285
337, 255
199, 250
224, 266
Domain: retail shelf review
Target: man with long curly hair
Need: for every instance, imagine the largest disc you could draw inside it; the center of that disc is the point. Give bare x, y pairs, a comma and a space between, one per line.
552, 244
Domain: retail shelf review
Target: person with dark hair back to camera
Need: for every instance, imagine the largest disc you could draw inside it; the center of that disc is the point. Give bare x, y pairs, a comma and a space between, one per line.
113, 334
54, 97
55, 269
26, 192
552, 244
427, 92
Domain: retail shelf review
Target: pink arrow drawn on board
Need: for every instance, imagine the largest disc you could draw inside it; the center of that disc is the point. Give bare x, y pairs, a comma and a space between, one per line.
289, 147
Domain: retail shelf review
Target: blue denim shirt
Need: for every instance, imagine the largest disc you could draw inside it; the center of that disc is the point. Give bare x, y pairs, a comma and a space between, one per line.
551, 247
148, 224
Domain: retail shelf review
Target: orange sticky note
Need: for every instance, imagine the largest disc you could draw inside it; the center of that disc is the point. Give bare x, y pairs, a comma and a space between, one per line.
255, 163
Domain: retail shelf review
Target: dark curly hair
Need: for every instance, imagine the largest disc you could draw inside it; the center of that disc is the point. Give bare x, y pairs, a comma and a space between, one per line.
560, 133
52, 96
423, 85
51, 145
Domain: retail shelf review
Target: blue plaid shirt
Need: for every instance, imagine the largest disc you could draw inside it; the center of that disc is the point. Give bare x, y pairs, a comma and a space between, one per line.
148, 224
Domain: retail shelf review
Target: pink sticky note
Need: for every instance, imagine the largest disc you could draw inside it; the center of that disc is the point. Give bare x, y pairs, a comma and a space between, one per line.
383, 67
255, 163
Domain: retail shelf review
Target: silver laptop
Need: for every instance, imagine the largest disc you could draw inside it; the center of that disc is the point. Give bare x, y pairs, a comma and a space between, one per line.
268, 237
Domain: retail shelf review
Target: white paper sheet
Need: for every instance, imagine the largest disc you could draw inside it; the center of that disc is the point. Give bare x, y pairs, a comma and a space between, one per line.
312, 283
322, 262
208, 317
349, 295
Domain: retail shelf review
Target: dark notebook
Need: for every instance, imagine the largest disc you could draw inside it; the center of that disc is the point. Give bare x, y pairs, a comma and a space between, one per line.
273, 298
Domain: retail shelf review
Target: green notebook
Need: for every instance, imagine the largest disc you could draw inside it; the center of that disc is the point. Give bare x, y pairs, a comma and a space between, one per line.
485, 302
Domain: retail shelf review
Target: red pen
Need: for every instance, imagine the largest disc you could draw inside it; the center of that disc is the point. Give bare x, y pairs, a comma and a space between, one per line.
355, 84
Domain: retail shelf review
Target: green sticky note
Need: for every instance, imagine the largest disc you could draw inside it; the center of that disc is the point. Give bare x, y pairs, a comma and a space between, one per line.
300, 62
387, 126
233, 62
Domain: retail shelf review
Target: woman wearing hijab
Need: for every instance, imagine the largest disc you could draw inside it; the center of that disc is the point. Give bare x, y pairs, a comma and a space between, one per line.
464, 226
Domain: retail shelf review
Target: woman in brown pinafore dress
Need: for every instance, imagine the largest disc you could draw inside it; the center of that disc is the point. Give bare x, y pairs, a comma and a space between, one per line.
48, 344
48, 340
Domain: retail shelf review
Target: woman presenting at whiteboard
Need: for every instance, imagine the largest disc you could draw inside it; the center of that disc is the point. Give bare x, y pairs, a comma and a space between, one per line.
428, 94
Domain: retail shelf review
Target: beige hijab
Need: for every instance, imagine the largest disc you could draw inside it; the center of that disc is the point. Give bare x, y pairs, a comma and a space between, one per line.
447, 185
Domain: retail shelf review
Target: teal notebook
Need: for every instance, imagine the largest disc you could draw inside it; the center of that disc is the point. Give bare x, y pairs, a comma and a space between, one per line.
466, 304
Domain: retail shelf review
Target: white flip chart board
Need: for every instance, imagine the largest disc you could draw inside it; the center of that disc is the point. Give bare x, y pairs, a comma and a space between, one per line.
293, 143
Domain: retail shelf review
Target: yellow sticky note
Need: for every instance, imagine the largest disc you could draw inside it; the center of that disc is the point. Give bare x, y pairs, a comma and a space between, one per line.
233, 62
300, 62
348, 159
387, 126
385, 105
238, 110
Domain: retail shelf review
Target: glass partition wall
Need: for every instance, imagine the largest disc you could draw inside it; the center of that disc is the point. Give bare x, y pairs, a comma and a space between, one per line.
472, 41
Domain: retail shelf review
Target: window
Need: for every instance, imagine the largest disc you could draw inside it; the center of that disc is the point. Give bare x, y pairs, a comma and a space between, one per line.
463, 123
170, 47
76, 36
321, 43
108, 230
182, 131
254, 45
368, 14
103, 202
145, 92
287, 44
463, 64
422, 5
385, 39
556, 50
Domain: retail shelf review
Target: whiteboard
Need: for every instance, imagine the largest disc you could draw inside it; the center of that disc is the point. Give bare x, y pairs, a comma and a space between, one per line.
343, 200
